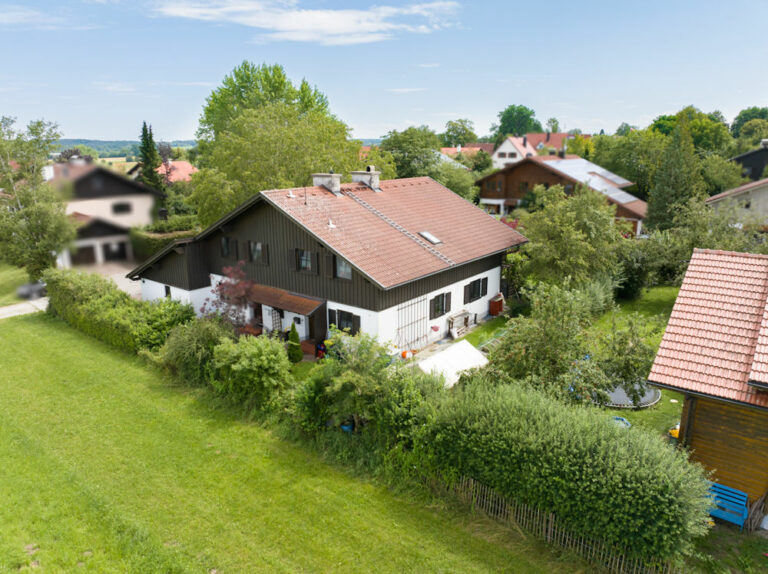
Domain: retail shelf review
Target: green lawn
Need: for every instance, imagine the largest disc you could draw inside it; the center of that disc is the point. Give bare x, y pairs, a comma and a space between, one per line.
10, 278
486, 331
104, 465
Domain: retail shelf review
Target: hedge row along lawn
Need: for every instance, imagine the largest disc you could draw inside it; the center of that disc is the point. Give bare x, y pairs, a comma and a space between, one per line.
106, 466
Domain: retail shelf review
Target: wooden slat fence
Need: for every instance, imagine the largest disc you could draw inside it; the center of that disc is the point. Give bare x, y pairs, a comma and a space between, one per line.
545, 525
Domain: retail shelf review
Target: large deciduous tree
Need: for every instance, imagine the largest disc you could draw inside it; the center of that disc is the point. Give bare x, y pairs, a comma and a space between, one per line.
570, 236
745, 115
634, 156
459, 132
677, 179
709, 132
516, 121
720, 174
415, 150
33, 225
248, 87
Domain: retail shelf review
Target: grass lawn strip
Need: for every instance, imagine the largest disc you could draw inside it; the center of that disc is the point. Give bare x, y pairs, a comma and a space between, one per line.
151, 465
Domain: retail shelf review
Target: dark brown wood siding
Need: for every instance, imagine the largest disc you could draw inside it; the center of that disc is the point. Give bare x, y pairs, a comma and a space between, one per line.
282, 236
732, 441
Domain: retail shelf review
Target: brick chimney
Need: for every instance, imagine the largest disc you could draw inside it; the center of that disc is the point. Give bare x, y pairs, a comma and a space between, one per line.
330, 181
369, 177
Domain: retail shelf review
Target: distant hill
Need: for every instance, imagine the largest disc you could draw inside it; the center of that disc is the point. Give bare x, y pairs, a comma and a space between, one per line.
115, 148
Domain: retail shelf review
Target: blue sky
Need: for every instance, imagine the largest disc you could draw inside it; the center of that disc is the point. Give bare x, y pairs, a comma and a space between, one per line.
101, 67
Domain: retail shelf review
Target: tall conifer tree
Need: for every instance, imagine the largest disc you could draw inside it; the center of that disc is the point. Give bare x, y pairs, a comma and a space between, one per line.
149, 159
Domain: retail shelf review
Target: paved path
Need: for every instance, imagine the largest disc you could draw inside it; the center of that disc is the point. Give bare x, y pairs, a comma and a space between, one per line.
24, 308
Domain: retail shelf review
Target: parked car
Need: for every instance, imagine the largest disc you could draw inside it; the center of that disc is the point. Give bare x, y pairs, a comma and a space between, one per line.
33, 290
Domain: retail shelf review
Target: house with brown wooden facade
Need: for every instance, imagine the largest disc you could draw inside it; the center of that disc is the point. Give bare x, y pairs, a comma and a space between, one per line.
404, 260
715, 351
504, 190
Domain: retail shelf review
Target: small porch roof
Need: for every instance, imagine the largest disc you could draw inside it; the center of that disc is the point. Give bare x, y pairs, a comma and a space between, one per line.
282, 299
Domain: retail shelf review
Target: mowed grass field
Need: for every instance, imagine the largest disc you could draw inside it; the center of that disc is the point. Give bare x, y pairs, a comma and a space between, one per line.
105, 467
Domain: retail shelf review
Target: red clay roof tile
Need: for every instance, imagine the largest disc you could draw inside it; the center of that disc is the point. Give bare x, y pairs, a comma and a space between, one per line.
716, 340
378, 232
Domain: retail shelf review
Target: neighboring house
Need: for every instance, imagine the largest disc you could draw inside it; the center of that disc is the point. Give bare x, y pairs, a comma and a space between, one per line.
555, 141
396, 259
178, 170
512, 150
715, 351
104, 206
502, 191
444, 158
751, 197
754, 162
469, 149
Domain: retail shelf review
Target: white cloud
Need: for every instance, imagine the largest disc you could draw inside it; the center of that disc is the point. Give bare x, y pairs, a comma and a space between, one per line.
115, 87
405, 90
15, 15
286, 20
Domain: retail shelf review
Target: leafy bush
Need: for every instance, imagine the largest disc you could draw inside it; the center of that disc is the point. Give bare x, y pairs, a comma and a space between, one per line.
295, 354
95, 306
633, 269
188, 352
251, 371
145, 243
174, 223
356, 382
595, 296
624, 486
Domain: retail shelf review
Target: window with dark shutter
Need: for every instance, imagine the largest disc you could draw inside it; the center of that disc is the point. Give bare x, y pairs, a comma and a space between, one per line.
332, 317
329, 265
233, 248
315, 263
224, 245
256, 251
473, 291
355, 324
265, 254
448, 302
306, 261
439, 305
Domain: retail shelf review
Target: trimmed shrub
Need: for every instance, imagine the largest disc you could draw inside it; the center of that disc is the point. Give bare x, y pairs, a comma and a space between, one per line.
623, 486
94, 305
251, 371
188, 352
145, 243
295, 354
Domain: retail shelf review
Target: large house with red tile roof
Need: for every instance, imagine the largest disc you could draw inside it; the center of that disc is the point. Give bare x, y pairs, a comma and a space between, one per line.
104, 206
504, 190
715, 351
398, 259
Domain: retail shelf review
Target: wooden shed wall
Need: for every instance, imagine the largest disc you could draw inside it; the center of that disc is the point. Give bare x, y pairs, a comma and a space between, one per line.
731, 440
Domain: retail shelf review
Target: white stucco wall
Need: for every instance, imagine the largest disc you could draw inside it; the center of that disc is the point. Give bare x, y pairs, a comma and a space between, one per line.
383, 324
142, 205
756, 198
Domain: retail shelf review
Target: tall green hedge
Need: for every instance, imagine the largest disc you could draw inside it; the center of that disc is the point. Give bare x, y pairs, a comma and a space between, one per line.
95, 306
623, 486
146, 243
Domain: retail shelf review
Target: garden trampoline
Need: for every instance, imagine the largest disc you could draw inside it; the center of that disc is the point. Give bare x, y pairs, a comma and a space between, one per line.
618, 398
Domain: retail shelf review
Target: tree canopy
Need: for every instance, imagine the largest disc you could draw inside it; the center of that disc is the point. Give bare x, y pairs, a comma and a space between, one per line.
250, 86
570, 236
458, 132
415, 150
677, 179
516, 120
745, 115
33, 225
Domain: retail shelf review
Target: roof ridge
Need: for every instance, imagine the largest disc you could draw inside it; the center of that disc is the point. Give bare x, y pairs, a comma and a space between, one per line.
401, 229
732, 253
